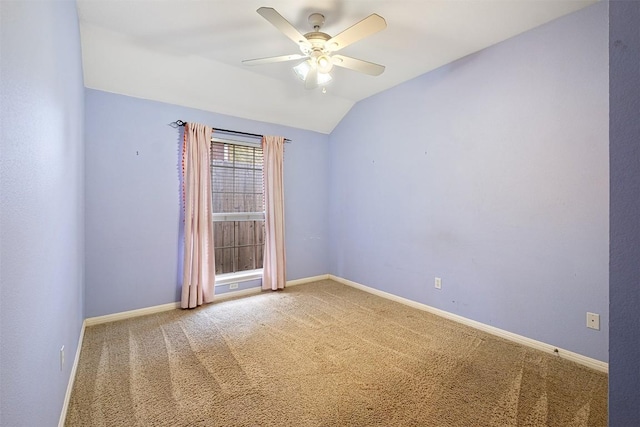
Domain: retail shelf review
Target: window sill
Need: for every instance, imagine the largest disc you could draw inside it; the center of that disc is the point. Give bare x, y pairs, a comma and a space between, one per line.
241, 276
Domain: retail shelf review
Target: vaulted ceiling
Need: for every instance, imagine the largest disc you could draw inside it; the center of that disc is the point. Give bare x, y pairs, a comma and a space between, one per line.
189, 52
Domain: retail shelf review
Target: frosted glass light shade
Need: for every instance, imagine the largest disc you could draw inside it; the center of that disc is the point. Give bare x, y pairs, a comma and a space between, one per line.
302, 70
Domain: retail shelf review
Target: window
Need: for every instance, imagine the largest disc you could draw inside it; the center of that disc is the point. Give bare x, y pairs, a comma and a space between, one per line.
238, 205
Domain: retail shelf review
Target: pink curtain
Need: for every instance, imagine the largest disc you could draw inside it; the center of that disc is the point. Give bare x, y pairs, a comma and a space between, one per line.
199, 263
275, 263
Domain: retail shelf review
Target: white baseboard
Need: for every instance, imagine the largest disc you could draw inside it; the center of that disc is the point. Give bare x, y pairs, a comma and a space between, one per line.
72, 379
90, 321
547, 348
307, 280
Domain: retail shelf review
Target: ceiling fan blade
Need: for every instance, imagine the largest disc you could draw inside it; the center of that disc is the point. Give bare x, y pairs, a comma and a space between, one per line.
271, 15
311, 82
272, 59
357, 65
368, 26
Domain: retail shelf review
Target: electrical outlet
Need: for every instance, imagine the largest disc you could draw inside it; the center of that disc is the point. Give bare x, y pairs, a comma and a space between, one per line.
62, 358
593, 321
233, 286
438, 283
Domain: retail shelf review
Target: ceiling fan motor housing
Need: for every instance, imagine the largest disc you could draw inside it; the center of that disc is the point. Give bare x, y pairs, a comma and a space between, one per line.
316, 20
317, 40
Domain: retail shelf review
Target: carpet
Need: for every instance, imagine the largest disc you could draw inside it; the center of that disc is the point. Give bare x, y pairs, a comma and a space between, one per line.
322, 354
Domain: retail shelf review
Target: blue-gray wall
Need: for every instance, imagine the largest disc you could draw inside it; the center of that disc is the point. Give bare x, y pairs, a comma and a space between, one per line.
624, 267
133, 222
41, 226
491, 173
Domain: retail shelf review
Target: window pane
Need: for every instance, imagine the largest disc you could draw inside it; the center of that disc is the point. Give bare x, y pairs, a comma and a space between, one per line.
236, 186
246, 258
259, 228
224, 260
245, 234
249, 242
236, 178
223, 234
259, 255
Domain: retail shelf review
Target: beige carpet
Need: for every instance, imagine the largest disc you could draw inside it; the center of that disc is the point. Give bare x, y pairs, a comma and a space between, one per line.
322, 354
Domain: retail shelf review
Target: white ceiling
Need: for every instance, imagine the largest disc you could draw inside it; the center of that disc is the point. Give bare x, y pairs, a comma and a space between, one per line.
189, 52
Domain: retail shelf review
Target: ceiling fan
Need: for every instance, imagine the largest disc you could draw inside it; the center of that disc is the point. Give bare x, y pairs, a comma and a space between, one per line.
317, 47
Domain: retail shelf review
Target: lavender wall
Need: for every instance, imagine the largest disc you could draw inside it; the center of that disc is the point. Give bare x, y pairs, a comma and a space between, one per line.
133, 224
624, 292
41, 226
492, 174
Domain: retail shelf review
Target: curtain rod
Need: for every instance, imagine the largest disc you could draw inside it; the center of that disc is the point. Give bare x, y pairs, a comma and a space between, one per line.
234, 132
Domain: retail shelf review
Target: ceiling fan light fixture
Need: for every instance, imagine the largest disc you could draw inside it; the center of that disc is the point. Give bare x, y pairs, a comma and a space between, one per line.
318, 48
324, 78
303, 68
324, 64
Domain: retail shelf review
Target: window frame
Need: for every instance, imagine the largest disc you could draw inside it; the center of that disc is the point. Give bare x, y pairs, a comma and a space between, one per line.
223, 279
